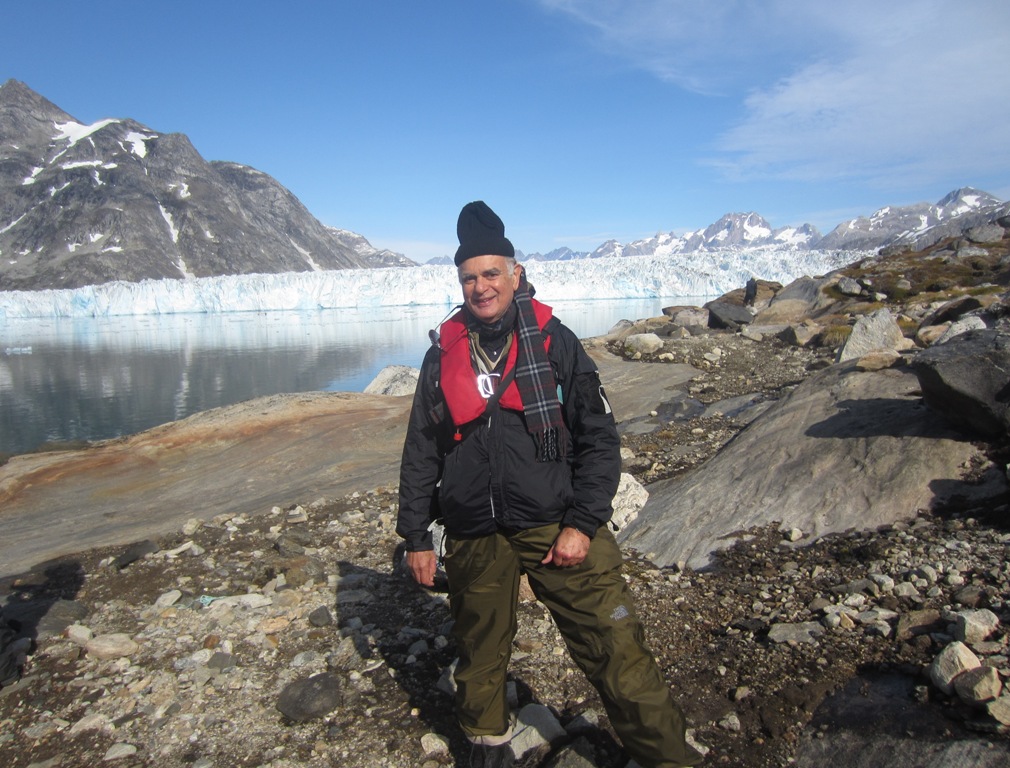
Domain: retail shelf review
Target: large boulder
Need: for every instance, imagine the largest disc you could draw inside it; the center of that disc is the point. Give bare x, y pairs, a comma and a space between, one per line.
394, 380
795, 302
846, 450
967, 379
871, 333
723, 315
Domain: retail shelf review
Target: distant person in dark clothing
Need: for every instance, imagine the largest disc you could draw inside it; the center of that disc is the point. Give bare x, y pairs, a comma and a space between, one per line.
750, 292
512, 445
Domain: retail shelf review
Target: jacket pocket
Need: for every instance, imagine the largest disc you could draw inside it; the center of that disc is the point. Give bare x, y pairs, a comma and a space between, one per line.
463, 495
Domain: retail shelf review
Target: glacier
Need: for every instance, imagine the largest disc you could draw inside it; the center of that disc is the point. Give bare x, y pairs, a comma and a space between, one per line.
697, 274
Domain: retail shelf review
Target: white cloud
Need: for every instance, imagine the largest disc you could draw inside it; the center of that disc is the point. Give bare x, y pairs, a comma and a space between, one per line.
699, 45
896, 110
894, 94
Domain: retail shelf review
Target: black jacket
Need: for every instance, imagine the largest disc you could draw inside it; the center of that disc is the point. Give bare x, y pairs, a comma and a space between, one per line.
491, 479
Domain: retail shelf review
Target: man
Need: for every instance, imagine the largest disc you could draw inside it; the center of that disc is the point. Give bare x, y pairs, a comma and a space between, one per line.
512, 446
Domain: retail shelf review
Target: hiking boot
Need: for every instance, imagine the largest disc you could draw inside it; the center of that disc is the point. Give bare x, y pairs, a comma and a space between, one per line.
498, 756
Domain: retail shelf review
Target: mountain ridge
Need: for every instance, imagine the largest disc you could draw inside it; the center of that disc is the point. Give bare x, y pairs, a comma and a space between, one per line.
916, 226
117, 200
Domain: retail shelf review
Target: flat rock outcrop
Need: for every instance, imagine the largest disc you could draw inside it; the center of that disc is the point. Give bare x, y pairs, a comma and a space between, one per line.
846, 450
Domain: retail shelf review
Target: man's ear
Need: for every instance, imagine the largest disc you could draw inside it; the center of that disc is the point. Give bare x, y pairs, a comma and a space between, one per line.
515, 276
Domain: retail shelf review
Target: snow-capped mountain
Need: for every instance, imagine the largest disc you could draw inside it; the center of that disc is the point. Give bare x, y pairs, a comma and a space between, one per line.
116, 200
911, 224
732, 231
915, 226
696, 275
371, 255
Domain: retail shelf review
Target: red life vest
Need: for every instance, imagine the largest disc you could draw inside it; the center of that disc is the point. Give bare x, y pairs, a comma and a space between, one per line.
458, 378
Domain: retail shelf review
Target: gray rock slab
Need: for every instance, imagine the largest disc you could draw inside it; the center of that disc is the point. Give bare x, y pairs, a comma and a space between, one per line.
845, 450
871, 721
238, 459
636, 389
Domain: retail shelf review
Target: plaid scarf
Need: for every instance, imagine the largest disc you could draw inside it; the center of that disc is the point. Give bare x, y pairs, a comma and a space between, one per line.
535, 380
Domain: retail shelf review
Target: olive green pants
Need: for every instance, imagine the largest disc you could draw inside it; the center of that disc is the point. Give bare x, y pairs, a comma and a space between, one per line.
591, 606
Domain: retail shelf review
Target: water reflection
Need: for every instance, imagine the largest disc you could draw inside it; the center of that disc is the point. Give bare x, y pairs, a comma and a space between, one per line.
64, 379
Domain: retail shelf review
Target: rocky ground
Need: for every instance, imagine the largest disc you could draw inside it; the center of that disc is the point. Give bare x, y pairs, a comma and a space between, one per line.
200, 636
177, 652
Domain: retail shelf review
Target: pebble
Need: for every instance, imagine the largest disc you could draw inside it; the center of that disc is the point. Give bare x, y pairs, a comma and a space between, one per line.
310, 698
111, 646
119, 751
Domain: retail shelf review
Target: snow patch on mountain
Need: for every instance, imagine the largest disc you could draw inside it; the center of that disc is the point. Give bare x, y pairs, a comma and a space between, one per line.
74, 132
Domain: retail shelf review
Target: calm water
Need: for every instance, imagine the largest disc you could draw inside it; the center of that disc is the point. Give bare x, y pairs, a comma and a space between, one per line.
96, 378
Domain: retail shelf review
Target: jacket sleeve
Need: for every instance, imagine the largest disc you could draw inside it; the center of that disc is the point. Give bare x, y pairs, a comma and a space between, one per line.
421, 462
596, 446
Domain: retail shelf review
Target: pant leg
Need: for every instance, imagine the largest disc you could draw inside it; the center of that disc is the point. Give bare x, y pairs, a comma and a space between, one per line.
483, 593
8, 659
592, 607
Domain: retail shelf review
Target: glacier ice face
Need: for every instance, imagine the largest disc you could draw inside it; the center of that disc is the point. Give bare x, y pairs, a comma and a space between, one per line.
708, 273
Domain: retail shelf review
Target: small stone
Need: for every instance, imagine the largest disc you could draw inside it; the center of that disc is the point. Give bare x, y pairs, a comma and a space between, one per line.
536, 727
905, 589
221, 661
120, 750
916, 623
1000, 709
975, 626
93, 722
168, 599
953, 660
978, 686
435, 745
112, 646
321, 617
730, 723
135, 552
79, 634
310, 698
803, 632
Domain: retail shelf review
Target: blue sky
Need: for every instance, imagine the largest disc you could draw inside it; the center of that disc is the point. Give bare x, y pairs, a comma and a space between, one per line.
578, 121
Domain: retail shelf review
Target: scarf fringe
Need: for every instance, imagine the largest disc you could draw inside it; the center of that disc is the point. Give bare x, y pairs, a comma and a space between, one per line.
549, 445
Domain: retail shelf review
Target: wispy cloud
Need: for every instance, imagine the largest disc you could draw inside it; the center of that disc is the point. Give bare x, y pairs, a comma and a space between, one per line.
893, 94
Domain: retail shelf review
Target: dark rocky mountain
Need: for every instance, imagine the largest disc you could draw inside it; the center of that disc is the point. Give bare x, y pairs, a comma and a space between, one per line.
116, 200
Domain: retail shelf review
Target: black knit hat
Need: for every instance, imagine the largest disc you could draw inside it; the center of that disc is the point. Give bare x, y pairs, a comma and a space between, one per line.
481, 233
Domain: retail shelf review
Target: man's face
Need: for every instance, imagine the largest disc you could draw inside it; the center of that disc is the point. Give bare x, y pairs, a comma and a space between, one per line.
488, 286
